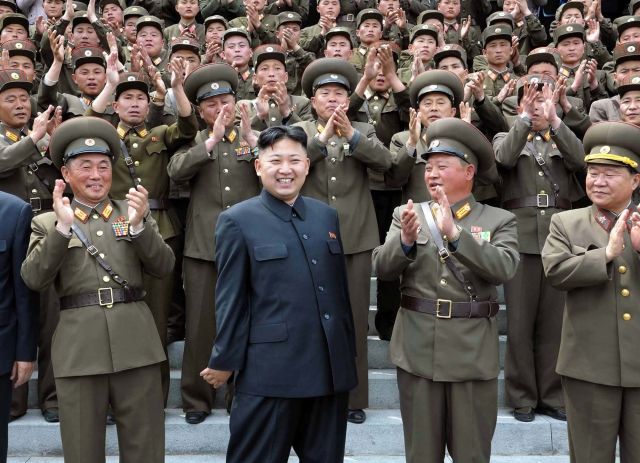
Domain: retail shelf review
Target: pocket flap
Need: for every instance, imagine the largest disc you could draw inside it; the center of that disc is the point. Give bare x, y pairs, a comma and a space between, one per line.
334, 246
156, 147
272, 332
75, 243
270, 251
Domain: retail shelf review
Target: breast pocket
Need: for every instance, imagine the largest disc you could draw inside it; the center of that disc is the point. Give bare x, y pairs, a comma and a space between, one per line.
156, 147
334, 247
270, 252
75, 243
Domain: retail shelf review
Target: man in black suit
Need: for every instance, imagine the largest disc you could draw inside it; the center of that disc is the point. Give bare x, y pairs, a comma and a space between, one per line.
18, 307
283, 315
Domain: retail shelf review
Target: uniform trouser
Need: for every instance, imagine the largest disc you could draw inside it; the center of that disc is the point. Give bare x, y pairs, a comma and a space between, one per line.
5, 401
597, 415
264, 429
200, 278
387, 292
175, 323
158, 298
136, 399
47, 398
534, 325
359, 282
461, 416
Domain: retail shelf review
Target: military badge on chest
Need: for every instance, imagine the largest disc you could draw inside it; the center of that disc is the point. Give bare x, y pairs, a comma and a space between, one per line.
479, 235
244, 150
120, 227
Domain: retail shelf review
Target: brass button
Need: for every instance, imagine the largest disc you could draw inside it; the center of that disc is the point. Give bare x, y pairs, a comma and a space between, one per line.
333, 143
227, 206
136, 163
626, 317
273, 105
225, 171
542, 212
375, 108
225, 154
135, 145
622, 269
34, 191
540, 173
273, 119
29, 172
95, 216
99, 233
101, 255
333, 160
538, 137
227, 188
443, 282
333, 179
542, 192
333, 198
625, 292
375, 97
105, 278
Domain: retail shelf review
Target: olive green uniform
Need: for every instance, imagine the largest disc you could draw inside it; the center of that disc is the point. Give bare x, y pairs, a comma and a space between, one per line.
176, 30
103, 354
534, 306
218, 180
448, 368
300, 111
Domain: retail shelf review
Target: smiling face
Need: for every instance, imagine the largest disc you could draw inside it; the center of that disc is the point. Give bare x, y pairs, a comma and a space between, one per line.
450, 173
435, 106
15, 108
610, 187
282, 168
89, 176
327, 99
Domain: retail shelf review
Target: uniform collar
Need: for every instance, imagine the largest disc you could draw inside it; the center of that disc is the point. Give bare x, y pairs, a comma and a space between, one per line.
567, 71
504, 75
230, 135
368, 94
607, 219
462, 208
453, 25
11, 134
82, 212
124, 129
545, 135
282, 209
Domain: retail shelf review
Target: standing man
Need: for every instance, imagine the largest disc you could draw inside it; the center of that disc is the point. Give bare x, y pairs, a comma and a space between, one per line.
445, 339
341, 151
592, 254
282, 307
18, 307
95, 251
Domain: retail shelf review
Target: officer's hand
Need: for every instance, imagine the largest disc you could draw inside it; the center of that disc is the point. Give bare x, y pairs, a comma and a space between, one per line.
616, 237
41, 24
415, 127
246, 133
527, 102
444, 217
21, 372
593, 31
62, 208
466, 25
417, 67
262, 101
372, 66
57, 45
113, 77
342, 123
68, 11
40, 125
579, 77
409, 225
138, 201
506, 91
216, 378
329, 130
515, 51
549, 107
55, 121
465, 112
635, 231
178, 72
282, 99
476, 85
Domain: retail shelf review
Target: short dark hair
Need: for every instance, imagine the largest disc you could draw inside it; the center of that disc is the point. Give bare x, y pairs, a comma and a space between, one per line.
272, 135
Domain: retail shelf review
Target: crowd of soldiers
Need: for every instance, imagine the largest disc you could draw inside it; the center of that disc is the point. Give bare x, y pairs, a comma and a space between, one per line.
514, 85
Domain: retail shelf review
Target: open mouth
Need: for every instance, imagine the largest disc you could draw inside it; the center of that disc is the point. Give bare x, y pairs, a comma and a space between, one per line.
285, 181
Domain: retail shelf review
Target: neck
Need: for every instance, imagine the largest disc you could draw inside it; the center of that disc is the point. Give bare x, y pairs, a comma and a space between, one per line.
292, 201
87, 203
457, 196
499, 67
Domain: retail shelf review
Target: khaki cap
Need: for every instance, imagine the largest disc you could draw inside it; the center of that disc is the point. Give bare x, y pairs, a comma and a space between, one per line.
569, 5
501, 17
288, 17
149, 21
614, 143
131, 81
134, 11
498, 31
210, 80
626, 52
185, 43
10, 4
14, 78
436, 81
448, 50
423, 29
627, 23
271, 51
82, 56
241, 31
339, 30
21, 48
629, 84
430, 14
568, 30
369, 13
542, 55
216, 18
70, 139
14, 18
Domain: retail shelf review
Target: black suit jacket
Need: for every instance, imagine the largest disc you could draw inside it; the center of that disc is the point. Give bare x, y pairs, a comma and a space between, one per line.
282, 304
18, 304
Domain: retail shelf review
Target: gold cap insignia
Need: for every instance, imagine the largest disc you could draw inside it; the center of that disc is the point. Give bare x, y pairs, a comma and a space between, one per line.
89, 142
434, 143
88, 53
498, 30
290, 15
570, 29
605, 149
215, 86
433, 86
19, 45
631, 48
15, 75
269, 49
131, 78
635, 80
334, 76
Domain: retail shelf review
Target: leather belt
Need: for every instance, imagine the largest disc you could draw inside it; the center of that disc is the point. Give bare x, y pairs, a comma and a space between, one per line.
104, 297
445, 308
541, 200
158, 204
347, 18
39, 204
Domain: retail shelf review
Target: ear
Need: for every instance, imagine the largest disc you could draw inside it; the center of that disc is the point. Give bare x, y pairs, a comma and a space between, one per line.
636, 181
469, 172
257, 166
64, 170
453, 111
73, 77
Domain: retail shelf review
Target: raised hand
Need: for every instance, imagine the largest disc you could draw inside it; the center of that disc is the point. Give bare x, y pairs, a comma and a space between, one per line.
529, 96
465, 112
329, 130
466, 25
281, 96
138, 202
372, 66
409, 225
246, 133
57, 45
549, 107
578, 79
40, 125
616, 237
442, 213
342, 122
593, 31
634, 232
55, 121
62, 208
415, 127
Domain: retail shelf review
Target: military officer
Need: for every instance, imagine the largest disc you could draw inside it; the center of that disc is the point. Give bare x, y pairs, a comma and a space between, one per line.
23, 56
273, 105
144, 161
340, 153
538, 159
27, 172
449, 253
150, 38
592, 255
369, 31
423, 43
115, 354
237, 52
218, 164
130, 17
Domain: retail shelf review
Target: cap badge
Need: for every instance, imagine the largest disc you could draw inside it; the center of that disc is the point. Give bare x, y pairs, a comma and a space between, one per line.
498, 30
19, 45
631, 49
269, 49
131, 78
605, 149
88, 53
631, 19
215, 86
89, 142
447, 47
534, 80
570, 29
434, 143
501, 13
15, 75
135, 8
75, 6
290, 15
334, 76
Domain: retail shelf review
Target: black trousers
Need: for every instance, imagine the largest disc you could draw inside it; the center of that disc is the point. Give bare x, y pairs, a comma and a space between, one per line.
5, 402
264, 429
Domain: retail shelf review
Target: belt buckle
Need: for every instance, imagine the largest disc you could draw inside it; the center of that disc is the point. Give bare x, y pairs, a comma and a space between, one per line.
92, 250
351, 17
128, 160
444, 254
542, 200
108, 292
443, 301
36, 204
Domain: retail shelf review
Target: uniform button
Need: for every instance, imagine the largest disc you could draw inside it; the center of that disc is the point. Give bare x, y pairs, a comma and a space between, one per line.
225, 171
101, 255
333, 143
139, 180
538, 137
333, 179
321, 288
227, 188
273, 105
305, 236
375, 108
293, 214
225, 154
29, 172
540, 173
95, 216
135, 145
375, 97
273, 119
314, 262
105, 278
622, 269
542, 212
333, 198
625, 292
443, 282
327, 316
227, 206
626, 317
542, 192
34, 191
99, 233
333, 160
136, 163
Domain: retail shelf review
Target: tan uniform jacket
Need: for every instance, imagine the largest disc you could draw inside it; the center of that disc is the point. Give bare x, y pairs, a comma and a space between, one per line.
173, 32
450, 349
607, 109
338, 177
598, 344
98, 340
521, 176
218, 180
150, 153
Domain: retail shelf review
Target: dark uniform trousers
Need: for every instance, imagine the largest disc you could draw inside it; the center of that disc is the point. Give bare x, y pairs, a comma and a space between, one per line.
5, 393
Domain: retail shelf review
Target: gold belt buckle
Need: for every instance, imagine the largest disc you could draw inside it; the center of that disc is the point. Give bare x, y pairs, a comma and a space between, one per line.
542, 200
108, 293
351, 17
443, 301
